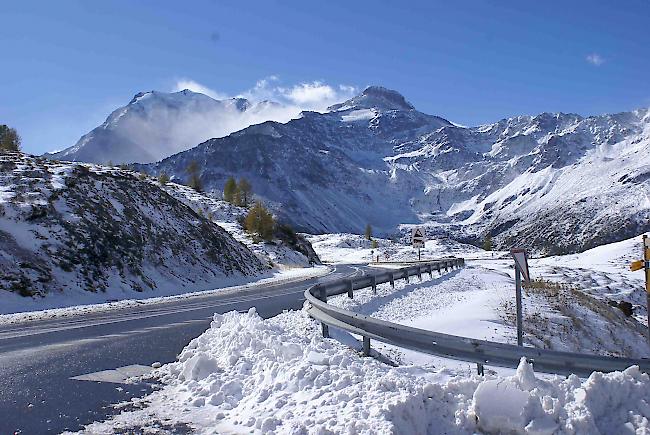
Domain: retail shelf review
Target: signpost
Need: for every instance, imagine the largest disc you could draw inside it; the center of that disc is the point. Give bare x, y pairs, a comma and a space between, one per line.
645, 265
418, 239
521, 269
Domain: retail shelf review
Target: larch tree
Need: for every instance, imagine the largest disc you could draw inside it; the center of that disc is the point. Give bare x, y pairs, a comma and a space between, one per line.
245, 191
259, 221
230, 190
368, 232
9, 139
194, 176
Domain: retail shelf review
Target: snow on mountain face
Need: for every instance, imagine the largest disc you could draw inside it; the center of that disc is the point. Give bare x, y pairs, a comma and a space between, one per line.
553, 182
155, 125
81, 229
376, 97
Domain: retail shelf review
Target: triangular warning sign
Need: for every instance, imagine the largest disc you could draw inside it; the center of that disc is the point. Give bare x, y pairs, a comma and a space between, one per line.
521, 259
417, 238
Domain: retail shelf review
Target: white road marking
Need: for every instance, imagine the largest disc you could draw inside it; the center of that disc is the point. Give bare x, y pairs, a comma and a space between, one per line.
115, 376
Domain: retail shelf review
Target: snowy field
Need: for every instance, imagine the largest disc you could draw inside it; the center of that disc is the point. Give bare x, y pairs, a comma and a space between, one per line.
249, 375
354, 248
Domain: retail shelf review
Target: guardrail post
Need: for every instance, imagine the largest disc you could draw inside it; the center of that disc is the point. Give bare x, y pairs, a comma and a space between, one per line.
391, 277
366, 346
480, 369
406, 275
350, 289
438, 268
373, 280
446, 266
322, 293
420, 273
430, 272
325, 329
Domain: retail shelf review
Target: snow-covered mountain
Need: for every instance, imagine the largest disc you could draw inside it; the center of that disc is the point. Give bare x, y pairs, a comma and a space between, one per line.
70, 229
553, 182
155, 125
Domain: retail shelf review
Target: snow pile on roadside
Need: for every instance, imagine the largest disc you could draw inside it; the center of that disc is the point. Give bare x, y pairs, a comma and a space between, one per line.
246, 374
610, 403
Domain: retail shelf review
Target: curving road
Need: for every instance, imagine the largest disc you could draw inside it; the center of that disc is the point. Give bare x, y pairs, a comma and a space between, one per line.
39, 358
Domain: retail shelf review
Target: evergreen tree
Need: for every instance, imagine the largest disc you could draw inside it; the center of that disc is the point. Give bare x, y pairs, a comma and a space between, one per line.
245, 192
260, 221
163, 178
194, 176
374, 244
230, 190
368, 233
487, 242
9, 139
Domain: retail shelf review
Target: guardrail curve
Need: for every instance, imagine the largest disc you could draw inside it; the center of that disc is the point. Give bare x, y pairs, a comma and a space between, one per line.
481, 352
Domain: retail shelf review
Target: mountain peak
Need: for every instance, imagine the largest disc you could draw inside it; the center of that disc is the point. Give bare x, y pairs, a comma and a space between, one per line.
140, 95
375, 97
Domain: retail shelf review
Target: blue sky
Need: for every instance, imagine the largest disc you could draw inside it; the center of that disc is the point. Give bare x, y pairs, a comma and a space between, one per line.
68, 64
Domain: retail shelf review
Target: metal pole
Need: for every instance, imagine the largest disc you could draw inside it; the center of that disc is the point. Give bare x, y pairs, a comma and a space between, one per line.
419, 257
646, 259
520, 335
366, 346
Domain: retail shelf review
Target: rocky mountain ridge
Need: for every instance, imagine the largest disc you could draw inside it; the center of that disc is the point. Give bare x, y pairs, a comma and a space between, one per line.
553, 182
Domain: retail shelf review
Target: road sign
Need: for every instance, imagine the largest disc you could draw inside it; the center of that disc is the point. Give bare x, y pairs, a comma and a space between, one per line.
637, 265
521, 258
417, 237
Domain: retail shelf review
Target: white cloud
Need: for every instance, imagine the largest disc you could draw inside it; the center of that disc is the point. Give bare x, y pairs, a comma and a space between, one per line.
595, 59
193, 86
192, 128
315, 95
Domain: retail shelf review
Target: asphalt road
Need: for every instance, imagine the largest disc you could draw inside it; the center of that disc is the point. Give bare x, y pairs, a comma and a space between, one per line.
37, 359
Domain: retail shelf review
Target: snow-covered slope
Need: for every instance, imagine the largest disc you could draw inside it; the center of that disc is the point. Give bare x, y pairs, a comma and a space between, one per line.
155, 125
553, 182
68, 229
279, 252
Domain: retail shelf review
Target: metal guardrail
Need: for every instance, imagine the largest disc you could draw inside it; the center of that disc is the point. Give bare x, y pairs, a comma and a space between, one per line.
481, 352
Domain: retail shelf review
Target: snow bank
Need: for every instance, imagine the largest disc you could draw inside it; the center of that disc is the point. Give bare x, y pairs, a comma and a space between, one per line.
604, 403
246, 374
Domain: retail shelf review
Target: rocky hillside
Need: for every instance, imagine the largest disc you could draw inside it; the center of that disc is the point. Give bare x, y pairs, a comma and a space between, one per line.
555, 183
287, 249
69, 228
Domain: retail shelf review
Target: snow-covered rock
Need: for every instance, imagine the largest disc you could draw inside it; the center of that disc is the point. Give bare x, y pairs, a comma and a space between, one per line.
68, 228
553, 182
